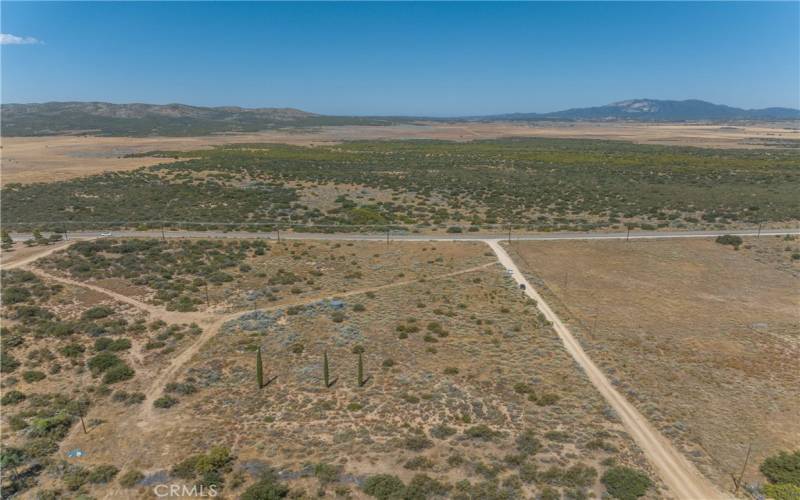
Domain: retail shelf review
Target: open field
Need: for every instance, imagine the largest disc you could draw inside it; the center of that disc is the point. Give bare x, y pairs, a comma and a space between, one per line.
704, 339
524, 420
56, 158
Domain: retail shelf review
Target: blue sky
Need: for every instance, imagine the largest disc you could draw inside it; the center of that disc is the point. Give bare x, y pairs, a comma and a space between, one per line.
402, 58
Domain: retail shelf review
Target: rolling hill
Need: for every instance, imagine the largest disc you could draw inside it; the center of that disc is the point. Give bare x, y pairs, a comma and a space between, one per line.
107, 119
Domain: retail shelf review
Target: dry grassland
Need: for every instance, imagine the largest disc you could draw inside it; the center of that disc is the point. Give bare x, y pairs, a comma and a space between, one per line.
704, 339
55, 158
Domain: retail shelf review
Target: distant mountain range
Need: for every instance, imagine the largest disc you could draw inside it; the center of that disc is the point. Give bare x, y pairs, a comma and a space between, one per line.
101, 118
657, 110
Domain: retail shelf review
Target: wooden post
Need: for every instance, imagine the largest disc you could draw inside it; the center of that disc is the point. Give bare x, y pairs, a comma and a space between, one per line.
325, 370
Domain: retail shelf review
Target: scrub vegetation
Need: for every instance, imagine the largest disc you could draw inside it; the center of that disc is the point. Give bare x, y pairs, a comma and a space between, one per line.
544, 184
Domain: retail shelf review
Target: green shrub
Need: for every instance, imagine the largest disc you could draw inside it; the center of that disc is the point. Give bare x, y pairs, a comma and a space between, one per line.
528, 443
165, 402
625, 483
783, 491
423, 487
31, 376
75, 477
384, 487
8, 363
326, 473
266, 488
782, 468
12, 398
418, 463
102, 474
130, 478
103, 361
731, 240
97, 312
442, 431
109, 344
73, 350
481, 431
417, 442
118, 373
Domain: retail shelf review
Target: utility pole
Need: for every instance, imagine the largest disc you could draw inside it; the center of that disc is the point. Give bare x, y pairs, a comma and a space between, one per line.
737, 482
163, 236
83, 425
66, 236
279, 233
628, 236
509, 234
387, 235
759, 230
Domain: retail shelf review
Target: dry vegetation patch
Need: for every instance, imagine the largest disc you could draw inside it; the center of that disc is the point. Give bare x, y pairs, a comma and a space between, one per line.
465, 391
703, 338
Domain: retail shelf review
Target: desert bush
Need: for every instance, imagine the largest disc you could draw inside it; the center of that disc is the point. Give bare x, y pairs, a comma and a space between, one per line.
109, 344
423, 487
165, 401
102, 474
418, 463
12, 398
782, 491
481, 431
31, 376
266, 488
527, 442
118, 373
417, 442
625, 483
130, 478
783, 468
442, 431
8, 363
97, 312
326, 473
384, 487
732, 240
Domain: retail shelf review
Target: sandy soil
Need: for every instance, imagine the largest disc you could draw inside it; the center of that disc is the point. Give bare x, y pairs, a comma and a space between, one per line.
48, 159
703, 339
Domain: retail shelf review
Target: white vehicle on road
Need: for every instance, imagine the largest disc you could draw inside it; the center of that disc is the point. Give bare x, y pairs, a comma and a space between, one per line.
105, 235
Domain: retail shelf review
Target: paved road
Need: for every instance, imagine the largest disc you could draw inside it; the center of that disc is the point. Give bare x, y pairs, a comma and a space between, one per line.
680, 475
406, 236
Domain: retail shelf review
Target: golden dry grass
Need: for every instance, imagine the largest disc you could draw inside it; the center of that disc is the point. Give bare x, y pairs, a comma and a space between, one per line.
702, 338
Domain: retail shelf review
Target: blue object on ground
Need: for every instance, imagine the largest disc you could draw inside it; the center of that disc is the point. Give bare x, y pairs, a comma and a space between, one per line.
76, 453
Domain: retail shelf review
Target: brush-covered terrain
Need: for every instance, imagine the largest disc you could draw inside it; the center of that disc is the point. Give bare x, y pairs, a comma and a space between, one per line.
534, 184
463, 390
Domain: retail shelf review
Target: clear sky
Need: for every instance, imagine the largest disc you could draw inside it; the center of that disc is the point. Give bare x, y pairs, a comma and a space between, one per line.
402, 58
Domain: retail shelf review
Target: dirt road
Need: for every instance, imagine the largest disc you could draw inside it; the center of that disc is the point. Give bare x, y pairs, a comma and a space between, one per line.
680, 476
683, 480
